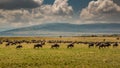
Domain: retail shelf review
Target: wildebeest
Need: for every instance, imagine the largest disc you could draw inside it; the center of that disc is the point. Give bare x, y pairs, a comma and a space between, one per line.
19, 46
7, 44
104, 45
98, 43
70, 45
91, 45
115, 44
55, 46
37, 45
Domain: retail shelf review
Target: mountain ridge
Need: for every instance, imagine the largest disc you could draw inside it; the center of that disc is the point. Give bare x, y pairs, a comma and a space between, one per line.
65, 27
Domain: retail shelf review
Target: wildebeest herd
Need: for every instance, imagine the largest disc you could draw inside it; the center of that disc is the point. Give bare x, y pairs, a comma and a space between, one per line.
57, 43
103, 44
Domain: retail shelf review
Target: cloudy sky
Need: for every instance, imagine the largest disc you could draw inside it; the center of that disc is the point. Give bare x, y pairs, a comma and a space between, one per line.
22, 13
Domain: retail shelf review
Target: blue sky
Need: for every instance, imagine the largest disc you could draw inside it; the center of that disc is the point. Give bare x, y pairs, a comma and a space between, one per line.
23, 13
76, 4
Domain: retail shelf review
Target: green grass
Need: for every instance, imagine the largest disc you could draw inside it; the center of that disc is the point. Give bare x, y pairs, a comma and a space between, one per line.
79, 57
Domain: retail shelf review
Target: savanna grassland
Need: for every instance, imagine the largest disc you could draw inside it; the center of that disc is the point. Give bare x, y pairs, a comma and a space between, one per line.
78, 57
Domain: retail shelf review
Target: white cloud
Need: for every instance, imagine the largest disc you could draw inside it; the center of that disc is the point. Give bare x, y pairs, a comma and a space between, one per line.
101, 10
61, 7
38, 1
58, 12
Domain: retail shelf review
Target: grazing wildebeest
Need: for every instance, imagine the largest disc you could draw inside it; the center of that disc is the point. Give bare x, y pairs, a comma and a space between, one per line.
19, 46
55, 46
70, 45
91, 45
43, 43
115, 44
104, 45
98, 43
7, 44
37, 45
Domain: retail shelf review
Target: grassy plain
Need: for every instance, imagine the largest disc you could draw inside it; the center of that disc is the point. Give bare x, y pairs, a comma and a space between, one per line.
78, 57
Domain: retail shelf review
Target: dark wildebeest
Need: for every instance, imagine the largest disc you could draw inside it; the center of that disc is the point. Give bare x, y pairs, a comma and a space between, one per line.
7, 44
37, 45
70, 45
19, 46
55, 46
91, 45
104, 45
98, 43
115, 44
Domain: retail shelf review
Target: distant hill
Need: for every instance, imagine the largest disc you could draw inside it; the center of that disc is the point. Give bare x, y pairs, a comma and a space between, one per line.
62, 28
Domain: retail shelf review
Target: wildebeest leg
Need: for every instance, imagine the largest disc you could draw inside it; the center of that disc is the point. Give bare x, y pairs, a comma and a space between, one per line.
89, 46
99, 47
52, 47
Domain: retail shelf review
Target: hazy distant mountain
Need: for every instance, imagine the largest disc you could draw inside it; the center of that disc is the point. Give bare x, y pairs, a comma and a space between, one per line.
62, 29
